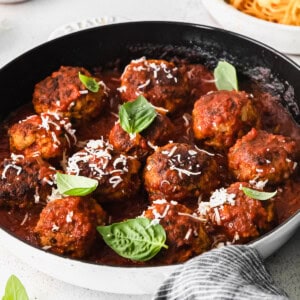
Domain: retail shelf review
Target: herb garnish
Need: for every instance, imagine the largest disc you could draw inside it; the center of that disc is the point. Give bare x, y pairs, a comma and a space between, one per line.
225, 76
136, 239
137, 115
258, 195
90, 83
75, 185
14, 289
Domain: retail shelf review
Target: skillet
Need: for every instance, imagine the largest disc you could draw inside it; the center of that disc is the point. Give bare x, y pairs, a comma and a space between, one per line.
104, 45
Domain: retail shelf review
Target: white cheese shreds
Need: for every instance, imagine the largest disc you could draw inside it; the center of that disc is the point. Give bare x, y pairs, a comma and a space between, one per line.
220, 197
160, 109
160, 201
186, 119
236, 237
55, 194
193, 216
203, 208
115, 180
12, 165
54, 228
25, 219
157, 215
204, 151
217, 216
69, 217
165, 182
98, 156
151, 145
258, 184
138, 60
16, 157
188, 234
83, 92
36, 196
172, 151
141, 86
46, 247
184, 171
192, 152
122, 89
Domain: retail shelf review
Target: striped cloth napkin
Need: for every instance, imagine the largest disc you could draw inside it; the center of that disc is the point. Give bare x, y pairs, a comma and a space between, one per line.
231, 272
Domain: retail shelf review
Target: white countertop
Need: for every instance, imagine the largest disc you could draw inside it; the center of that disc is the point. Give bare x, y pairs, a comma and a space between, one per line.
26, 25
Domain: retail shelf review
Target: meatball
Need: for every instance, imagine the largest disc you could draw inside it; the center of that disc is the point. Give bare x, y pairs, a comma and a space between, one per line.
68, 225
220, 118
63, 92
161, 82
201, 80
141, 145
47, 135
24, 181
239, 217
186, 235
180, 171
263, 156
116, 173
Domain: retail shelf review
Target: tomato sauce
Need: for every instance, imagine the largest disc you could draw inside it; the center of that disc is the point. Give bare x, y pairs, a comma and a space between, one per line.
21, 223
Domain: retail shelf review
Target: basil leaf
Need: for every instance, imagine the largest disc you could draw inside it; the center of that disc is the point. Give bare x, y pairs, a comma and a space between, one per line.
225, 76
90, 83
75, 185
257, 194
137, 115
14, 289
136, 239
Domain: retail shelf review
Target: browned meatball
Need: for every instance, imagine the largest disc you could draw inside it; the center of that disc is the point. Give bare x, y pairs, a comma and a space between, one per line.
68, 225
201, 80
25, 181
186, 235
46, 135
263, 156
159, 81
64, 93
179, 171
220, 118
239, 217
141, 145
116, 173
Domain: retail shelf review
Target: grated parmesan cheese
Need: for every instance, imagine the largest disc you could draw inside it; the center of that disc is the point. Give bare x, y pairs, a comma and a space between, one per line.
69, 217
220, 197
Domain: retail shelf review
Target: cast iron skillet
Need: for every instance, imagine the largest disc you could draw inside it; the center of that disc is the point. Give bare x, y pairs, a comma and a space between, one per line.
104, 45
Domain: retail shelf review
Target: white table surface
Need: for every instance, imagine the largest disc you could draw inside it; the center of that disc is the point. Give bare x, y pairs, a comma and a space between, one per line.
26, 25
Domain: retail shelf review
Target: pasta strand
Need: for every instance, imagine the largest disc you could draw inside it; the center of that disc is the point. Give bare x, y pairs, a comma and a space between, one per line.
278, 11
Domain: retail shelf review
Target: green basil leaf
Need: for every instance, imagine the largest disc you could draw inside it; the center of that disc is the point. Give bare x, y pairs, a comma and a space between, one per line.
137, 115
90, 83
14, 289
136, 239
258, 195
225, 76
75, 185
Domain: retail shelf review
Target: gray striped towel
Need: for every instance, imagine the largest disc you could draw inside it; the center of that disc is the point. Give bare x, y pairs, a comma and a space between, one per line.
231, 272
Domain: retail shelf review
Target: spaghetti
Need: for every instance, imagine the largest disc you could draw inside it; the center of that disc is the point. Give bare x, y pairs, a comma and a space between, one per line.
277, 11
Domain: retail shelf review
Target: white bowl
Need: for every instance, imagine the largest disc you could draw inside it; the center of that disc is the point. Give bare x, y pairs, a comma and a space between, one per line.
285, 38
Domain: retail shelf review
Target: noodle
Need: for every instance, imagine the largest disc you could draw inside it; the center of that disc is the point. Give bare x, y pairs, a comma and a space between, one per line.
277, 11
